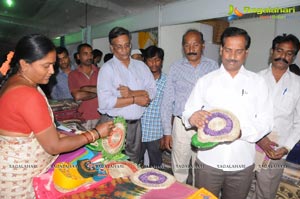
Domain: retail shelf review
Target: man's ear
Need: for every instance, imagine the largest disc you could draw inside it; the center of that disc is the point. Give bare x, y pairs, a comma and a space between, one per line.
221, 49
111, 48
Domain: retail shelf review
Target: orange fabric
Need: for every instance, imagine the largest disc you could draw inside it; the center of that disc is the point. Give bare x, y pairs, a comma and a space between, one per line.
25, 110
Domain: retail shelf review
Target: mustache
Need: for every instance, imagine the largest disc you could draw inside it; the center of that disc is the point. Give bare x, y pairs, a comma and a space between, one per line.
281, 59
232, 60
188, 54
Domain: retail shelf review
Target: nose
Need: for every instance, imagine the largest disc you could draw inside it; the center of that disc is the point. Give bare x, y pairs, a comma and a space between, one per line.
51, 69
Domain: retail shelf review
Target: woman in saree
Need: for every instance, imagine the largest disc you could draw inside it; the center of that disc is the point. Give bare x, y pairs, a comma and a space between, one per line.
29, 141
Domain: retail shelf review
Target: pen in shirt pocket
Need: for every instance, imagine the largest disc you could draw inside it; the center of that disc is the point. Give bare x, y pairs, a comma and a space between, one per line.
285, 90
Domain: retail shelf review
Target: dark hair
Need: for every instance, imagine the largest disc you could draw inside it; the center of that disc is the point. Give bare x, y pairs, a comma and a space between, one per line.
234, 31
75, 58
107, 57
80, 46
61, 49
192, 31
117, 31
287, 38
152, 51
29, 48
97, 52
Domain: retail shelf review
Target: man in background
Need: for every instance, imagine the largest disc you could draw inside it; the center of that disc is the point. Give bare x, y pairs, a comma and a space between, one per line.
97, 56
137, 54
61, 89
82, 84
284, 86
180, 81
152, 130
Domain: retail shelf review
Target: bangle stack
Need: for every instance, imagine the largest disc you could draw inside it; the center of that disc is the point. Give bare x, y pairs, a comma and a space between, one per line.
93, 136
90, 135
97, 133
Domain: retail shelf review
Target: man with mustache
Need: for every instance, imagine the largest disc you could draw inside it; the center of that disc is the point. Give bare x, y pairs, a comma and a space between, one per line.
180, 81
284, 86
228, 167
82, 85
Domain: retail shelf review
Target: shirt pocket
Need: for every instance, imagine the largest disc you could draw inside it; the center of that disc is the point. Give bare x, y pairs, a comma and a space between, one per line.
286, 103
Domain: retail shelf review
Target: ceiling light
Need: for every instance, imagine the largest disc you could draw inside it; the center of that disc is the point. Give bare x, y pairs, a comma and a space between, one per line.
9, 3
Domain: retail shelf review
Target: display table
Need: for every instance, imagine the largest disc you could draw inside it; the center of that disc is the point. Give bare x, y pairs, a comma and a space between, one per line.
106, 188
124, 188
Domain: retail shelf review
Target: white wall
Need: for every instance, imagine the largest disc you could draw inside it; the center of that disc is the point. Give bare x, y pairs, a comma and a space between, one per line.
185, 11
262, 32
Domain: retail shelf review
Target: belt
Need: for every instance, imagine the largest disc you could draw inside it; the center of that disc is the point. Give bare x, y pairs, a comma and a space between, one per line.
127, 121
132, 121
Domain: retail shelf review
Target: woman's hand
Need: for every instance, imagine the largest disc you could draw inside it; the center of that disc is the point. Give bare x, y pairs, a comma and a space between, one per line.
105, 128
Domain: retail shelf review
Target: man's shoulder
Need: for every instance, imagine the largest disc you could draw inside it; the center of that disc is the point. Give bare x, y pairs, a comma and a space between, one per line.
208, 60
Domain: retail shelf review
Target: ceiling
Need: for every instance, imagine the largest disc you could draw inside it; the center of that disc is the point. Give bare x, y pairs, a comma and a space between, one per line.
57, 17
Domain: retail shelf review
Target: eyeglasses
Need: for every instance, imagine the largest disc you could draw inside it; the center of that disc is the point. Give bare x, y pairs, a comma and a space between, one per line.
288, 53
120, 47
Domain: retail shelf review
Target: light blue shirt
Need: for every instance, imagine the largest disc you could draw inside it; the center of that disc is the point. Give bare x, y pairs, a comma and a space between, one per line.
180, 82
61, 89
113, 74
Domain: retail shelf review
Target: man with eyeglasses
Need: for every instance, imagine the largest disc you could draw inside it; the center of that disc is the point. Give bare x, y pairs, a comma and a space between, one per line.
180, 81
125, 88
284, 86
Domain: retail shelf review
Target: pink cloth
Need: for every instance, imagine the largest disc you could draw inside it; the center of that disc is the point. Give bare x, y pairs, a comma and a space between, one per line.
175, 191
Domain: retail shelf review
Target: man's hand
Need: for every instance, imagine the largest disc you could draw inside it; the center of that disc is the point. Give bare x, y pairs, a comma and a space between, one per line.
142, 100
125, 91
279, 153
162, 144
168, 142
198, 119
268, 147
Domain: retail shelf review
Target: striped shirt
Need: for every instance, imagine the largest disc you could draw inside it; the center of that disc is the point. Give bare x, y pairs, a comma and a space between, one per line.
151, 120
180, 82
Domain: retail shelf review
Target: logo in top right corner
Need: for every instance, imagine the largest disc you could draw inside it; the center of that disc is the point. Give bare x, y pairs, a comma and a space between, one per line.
234, 13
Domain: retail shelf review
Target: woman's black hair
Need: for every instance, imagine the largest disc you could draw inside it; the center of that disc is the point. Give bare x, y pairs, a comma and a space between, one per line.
29, 48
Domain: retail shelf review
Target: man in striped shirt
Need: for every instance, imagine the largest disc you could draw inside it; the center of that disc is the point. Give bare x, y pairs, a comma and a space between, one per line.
182, 77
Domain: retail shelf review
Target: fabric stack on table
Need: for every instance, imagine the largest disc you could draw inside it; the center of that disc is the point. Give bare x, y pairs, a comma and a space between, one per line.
65, 110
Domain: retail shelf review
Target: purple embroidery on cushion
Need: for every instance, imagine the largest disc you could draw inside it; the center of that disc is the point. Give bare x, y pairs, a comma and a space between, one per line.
145, 178
225, 130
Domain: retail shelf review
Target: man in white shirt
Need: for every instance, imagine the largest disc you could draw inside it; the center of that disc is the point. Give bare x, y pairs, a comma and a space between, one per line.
229, 167
284, 87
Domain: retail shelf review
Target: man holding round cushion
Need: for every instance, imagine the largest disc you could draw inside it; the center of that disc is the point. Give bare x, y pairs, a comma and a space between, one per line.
233, 105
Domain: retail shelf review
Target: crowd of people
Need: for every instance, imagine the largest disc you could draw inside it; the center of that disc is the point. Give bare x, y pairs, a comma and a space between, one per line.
162, 111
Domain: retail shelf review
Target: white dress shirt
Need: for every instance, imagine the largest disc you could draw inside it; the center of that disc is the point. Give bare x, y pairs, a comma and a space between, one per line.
247, 97
286, 101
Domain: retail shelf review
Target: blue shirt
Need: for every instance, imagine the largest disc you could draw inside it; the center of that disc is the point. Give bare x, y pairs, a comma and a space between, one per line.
180, 82
61, 89
151, 120
113, 74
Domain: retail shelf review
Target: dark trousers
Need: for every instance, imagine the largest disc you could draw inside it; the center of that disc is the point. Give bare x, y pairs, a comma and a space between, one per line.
154, 152
234, 184
133, 138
